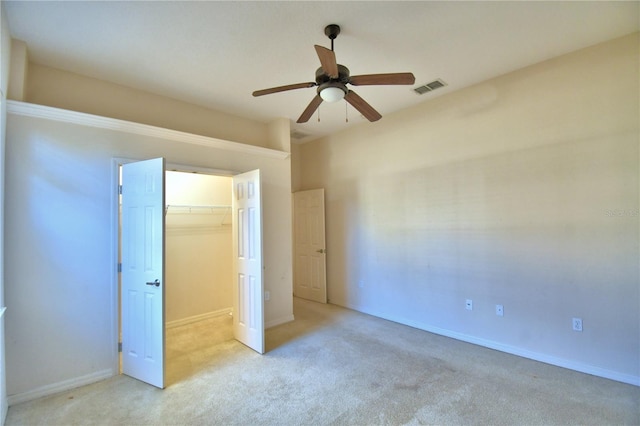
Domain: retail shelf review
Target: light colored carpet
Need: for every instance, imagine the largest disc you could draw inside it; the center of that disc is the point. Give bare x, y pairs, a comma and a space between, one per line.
333, 366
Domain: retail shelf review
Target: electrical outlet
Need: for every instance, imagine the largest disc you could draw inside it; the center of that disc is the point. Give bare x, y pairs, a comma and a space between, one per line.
267, 295
499, 310
577, 324
469, 305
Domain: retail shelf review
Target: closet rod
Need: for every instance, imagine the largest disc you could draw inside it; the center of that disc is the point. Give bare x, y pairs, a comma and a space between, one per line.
222, 208
191, 206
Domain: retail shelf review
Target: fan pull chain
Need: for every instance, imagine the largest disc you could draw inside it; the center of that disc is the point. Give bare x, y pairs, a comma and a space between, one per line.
346, 113
318, 114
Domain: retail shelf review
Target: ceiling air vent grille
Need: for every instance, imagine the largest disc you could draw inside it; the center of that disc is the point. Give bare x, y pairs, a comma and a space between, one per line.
297, 134
429, 87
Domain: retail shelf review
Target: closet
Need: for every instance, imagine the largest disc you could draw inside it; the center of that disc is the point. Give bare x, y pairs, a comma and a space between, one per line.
198, 271
198, 257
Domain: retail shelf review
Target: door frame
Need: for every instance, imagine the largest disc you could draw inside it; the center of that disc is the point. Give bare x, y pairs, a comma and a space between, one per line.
323, 297
116, 163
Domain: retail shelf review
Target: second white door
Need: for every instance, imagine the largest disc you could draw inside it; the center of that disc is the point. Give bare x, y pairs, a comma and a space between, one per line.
248, 306
310, 252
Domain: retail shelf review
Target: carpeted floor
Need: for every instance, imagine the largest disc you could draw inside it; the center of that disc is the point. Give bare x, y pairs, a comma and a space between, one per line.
339, 367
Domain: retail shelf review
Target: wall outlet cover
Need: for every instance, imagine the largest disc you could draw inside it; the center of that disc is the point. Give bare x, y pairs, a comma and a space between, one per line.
577, 324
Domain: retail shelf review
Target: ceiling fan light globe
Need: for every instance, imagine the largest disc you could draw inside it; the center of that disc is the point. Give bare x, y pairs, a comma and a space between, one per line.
332, 94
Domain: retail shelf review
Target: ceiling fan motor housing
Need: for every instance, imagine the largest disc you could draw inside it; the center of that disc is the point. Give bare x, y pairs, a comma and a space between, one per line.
343, 76
323, 81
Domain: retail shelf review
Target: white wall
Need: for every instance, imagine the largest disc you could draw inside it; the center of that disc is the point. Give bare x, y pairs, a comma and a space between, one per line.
521, 191
199, 262
59, 221
5, 53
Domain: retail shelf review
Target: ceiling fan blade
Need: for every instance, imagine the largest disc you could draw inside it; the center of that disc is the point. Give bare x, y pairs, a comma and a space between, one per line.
383, 79
362, 106
283, 88
311, 108
328, 61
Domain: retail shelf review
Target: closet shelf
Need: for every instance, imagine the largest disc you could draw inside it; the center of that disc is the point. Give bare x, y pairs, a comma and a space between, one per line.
185, 208
222, 211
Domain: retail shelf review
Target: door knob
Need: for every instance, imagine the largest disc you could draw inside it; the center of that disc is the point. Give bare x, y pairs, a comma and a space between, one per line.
156, 283
321, 251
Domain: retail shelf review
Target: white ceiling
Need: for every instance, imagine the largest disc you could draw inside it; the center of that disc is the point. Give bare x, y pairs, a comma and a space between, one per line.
215, 54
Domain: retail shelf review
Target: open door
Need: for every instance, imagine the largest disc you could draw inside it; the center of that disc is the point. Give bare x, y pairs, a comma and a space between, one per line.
248, 305
142, 296
309, 260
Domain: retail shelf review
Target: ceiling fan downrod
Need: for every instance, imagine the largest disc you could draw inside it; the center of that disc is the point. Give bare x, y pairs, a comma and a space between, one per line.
332, 32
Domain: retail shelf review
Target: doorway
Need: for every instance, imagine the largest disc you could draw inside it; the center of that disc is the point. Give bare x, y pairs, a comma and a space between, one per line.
143, 193
198, 244
199, 269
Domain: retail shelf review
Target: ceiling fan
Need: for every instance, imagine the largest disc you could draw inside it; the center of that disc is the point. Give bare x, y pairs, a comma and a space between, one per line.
332, 79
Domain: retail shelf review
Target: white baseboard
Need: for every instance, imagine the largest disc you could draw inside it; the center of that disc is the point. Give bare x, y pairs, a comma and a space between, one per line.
60, 387
525, 353
200, 317
105, 374
226, 311
279, 321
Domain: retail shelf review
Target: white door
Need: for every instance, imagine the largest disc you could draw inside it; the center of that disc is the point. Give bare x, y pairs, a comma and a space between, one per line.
248, 300
142, 296
310, 252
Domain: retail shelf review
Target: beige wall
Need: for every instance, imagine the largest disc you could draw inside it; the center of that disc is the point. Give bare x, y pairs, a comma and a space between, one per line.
62, 89
18, 71
296, 164
199, 260
521, 191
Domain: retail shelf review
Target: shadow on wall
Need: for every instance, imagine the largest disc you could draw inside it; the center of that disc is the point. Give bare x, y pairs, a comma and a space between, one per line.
344, 267
56, 241
530, 229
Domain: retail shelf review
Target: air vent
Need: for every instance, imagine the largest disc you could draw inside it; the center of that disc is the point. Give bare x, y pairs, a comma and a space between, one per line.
429, 87
297, 134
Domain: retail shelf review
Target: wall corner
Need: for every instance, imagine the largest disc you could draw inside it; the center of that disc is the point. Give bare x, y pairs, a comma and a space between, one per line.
18, 69
278, 135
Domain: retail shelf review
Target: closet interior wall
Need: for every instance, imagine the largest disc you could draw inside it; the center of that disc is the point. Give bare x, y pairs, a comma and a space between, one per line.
198, 247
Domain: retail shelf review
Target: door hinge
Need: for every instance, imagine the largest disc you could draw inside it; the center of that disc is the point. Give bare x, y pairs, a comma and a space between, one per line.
119, 267
119, 346
120, 189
